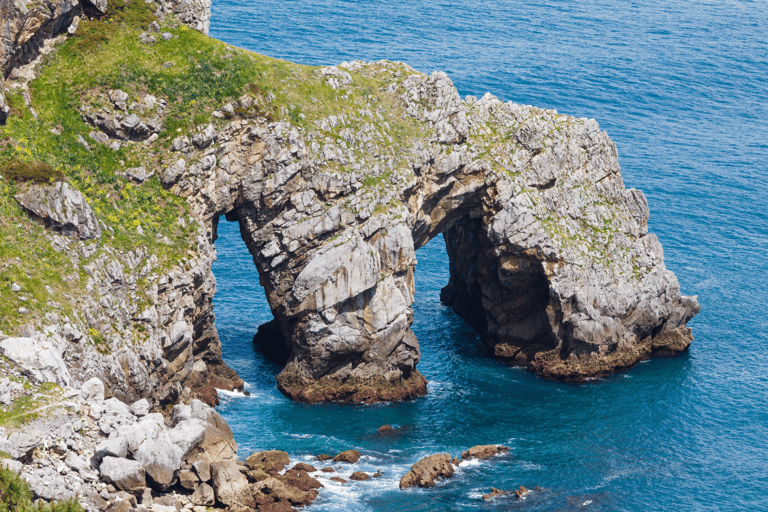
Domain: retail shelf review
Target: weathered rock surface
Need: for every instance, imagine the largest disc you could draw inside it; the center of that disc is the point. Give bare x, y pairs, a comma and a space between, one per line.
40, 359
550, 258
125, 474
349, 456
19, 445
270, 461
62, 208
483, 451
429, 469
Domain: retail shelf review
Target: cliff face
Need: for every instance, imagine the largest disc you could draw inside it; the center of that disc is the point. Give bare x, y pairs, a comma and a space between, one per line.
550, 256
336, 176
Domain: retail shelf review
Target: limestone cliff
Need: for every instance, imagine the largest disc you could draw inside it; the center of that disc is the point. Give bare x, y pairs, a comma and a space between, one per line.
336, 175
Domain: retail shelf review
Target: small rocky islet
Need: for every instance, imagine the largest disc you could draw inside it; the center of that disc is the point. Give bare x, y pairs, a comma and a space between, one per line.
125, 133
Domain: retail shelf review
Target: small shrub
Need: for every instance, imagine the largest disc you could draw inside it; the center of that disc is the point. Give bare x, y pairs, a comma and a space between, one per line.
15, 493
36, 171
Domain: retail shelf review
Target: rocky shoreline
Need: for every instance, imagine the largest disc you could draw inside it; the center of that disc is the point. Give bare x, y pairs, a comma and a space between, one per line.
109, 456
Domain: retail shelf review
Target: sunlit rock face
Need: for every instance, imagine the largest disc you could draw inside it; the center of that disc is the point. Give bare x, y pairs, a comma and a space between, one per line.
550, 256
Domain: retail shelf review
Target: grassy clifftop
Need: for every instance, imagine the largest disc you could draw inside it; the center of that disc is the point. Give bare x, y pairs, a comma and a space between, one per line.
193, 77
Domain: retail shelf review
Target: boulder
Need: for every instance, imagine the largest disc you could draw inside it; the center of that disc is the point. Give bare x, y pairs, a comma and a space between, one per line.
213, 439
337, 479
483, 452
39, 359
204, 138
112, 447
425, 472
76, 462
203, 496
203, 470
19, 445
125, 474
119, 98
272, 490
270, 461
173, 172
140, 408
304, 467
150, 444
360, 476
61, 208
188, 479
299, 479
495, 493
92, 389
12, 465
521, 492
350, 456
228, 483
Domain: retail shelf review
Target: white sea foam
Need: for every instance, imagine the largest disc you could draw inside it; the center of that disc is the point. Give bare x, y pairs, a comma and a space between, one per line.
238, 394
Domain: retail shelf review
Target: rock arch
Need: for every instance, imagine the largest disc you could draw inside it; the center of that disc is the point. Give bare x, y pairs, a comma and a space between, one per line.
550, 258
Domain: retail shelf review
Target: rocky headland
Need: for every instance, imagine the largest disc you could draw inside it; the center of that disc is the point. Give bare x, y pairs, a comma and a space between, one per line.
126, 133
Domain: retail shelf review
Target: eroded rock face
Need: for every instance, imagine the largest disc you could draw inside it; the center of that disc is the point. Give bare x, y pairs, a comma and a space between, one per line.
550, 257
62, 208
26, 25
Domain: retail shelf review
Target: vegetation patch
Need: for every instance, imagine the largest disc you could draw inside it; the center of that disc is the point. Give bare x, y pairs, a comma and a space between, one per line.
35, 171
16, 496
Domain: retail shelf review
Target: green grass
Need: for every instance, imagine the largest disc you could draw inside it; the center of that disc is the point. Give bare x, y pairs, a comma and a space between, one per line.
26, 408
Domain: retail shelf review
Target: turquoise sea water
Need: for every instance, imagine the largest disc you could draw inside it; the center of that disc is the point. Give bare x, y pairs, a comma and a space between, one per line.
682, 88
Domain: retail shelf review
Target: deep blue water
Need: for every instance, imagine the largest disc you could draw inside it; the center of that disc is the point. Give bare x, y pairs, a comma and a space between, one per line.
682, 87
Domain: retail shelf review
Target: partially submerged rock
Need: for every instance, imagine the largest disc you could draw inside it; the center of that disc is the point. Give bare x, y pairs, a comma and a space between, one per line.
483, 451
427, 471
269, 461
350, 456
495, 493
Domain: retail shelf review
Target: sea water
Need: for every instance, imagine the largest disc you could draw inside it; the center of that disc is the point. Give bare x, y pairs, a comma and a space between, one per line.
681, 87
